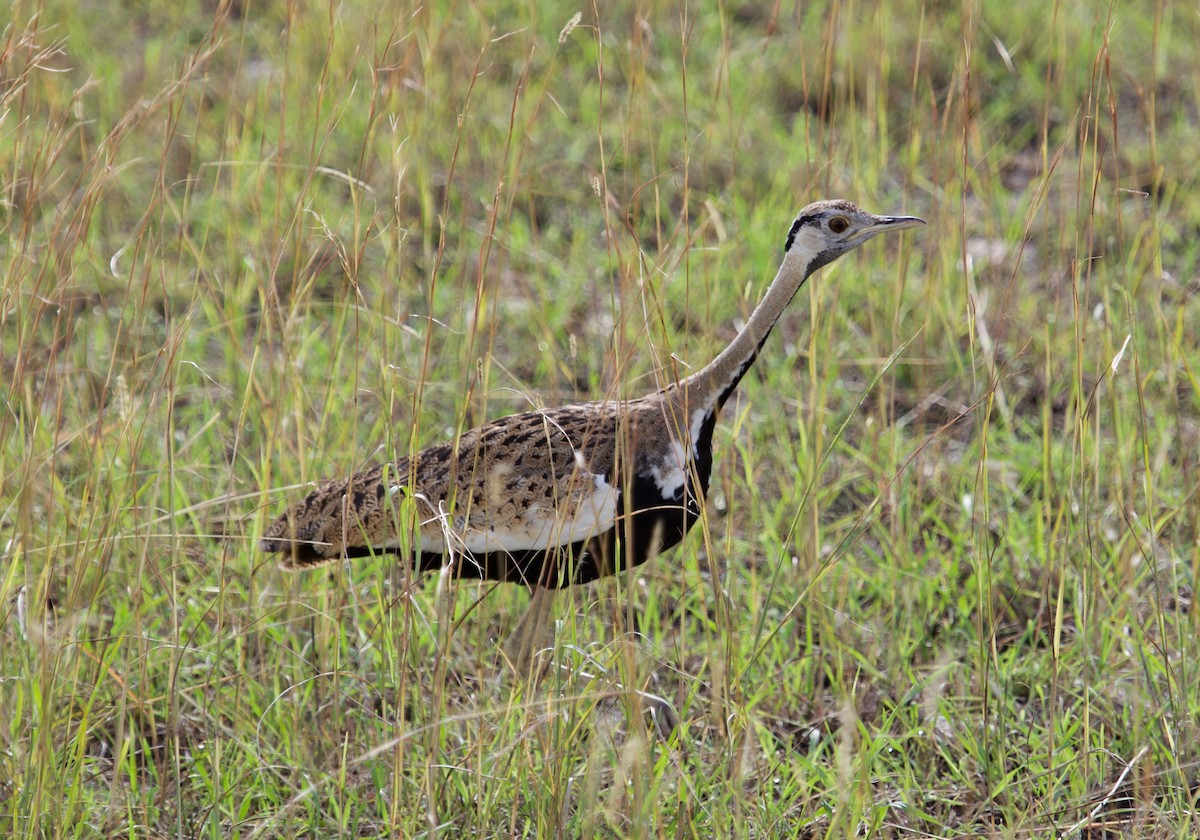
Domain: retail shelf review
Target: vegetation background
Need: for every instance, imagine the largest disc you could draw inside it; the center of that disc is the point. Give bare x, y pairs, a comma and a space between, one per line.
944, 586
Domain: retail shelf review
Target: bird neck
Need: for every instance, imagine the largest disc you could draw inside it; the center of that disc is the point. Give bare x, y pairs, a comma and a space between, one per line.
710, 387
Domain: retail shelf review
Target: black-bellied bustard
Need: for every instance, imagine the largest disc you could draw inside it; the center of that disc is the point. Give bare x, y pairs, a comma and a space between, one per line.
563, 496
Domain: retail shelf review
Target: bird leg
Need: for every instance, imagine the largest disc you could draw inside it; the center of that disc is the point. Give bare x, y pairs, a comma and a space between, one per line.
532, 632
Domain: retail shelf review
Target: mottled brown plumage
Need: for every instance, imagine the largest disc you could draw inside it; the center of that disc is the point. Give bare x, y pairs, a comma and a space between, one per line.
502, 491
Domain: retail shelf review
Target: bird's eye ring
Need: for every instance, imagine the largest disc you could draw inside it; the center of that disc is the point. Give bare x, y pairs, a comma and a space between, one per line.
839, 224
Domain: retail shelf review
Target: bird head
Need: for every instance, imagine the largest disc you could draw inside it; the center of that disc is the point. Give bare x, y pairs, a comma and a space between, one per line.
825, 230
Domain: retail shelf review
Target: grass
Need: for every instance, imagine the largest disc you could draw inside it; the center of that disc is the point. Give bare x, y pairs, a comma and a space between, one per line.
944, 583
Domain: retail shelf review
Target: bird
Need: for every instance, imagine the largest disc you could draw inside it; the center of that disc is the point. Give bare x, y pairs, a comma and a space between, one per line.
561, 496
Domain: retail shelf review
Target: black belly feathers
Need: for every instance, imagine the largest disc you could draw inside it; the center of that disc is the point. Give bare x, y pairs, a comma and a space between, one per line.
490, 509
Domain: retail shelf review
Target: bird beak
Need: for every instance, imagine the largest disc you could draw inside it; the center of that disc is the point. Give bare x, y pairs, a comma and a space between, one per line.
889, 223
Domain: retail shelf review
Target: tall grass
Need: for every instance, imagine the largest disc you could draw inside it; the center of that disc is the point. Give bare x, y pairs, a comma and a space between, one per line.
944, 581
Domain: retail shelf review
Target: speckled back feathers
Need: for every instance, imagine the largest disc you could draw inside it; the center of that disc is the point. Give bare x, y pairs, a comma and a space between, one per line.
531, 480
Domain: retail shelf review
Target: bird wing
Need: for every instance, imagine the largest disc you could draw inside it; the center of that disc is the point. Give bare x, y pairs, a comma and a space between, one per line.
527, 482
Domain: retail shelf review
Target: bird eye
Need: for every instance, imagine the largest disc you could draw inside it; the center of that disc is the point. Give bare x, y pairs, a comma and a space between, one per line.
838, 224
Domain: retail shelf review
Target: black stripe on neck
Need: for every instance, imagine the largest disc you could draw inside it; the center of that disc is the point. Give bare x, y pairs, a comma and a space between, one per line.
821, 259
737, 377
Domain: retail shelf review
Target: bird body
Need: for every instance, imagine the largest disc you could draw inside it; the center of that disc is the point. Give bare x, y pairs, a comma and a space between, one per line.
542, 497
562, 496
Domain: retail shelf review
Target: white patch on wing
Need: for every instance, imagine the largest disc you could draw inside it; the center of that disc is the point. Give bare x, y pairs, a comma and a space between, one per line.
697, 424
670, 474
537, 529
